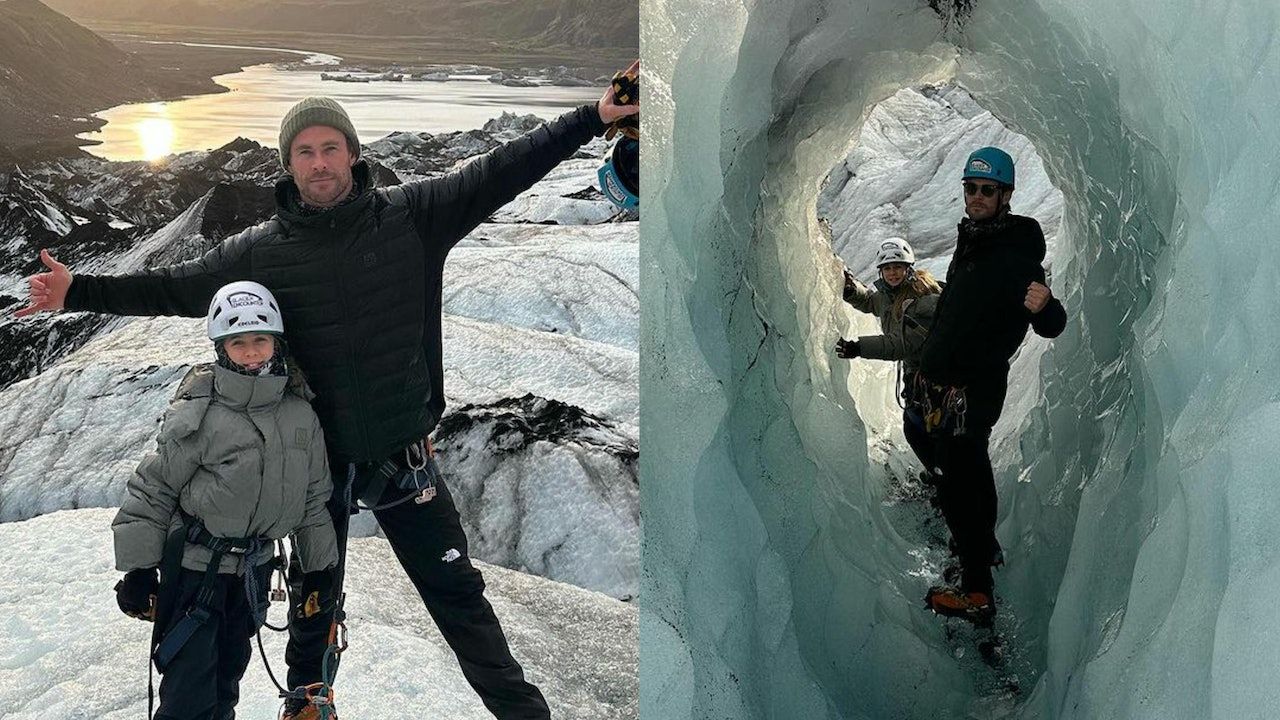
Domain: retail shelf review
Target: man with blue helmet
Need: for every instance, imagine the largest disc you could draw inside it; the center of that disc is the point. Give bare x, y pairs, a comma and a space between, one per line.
995, 290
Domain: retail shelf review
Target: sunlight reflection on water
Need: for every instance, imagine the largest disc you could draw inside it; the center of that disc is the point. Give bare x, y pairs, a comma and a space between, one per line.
261, 94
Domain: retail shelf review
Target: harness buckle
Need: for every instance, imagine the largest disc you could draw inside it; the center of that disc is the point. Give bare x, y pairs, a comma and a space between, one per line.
419, 463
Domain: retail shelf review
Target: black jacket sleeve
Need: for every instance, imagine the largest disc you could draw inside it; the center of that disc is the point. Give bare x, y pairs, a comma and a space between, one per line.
1051, 320
448, 207
182, 289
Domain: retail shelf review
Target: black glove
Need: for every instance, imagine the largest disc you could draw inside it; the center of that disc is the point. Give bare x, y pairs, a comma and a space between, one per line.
848, 286
626, 91
848, 349
136, 593
317, 593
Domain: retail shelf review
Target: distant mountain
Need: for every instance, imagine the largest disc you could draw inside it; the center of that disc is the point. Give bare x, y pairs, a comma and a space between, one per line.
51, 69
54, 73
526, 23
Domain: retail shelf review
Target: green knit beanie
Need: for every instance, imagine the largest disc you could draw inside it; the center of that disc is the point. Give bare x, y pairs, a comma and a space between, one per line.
315, 111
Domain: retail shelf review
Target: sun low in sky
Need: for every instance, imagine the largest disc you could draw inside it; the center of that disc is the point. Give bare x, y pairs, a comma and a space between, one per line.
155, 133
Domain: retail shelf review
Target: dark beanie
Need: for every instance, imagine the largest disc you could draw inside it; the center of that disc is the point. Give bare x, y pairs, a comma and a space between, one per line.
315, 111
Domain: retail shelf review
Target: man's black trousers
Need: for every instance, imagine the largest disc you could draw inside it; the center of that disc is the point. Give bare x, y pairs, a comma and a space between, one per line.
431, 546
967, 498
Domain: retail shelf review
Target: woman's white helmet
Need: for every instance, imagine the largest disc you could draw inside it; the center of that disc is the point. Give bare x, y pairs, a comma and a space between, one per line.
243, 307
895, 250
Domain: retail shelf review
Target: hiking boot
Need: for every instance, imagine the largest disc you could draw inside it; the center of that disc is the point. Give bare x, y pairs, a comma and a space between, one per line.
307, 708
977, 607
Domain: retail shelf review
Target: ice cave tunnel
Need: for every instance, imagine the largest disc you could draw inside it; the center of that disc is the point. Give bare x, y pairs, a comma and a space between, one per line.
785, 557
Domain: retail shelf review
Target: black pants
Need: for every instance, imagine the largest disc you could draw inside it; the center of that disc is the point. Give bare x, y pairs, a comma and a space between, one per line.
431, 546
919, 440
967, 497
203, 680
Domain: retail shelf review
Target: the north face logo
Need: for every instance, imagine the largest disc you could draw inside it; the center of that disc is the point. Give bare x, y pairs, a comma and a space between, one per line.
452, 555
977, 165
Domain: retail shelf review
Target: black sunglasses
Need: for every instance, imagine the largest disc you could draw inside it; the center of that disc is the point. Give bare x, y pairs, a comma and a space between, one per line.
986, 190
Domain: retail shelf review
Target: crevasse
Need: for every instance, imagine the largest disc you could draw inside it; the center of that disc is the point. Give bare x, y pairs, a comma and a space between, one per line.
1138, 493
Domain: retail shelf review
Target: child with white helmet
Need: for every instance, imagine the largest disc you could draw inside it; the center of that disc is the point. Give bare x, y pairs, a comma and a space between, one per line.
904, 299
240, 464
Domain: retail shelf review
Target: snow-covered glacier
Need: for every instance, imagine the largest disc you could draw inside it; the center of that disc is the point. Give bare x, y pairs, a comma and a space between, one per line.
70, 653
1134, 463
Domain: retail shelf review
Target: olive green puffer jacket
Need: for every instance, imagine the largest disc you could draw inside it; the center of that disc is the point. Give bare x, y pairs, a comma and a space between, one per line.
244, 455
903, 337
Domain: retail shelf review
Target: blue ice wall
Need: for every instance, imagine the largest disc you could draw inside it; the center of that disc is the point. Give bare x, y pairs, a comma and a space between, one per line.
1138, 498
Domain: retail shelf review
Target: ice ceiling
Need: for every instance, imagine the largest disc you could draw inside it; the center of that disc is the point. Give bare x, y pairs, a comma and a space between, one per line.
1138, 497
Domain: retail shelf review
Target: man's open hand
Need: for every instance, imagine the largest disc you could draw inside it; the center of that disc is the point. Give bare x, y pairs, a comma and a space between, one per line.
48, 289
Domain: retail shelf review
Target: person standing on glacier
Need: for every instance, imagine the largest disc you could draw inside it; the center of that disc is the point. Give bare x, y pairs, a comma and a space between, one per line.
358, 271
904, 300
995, 289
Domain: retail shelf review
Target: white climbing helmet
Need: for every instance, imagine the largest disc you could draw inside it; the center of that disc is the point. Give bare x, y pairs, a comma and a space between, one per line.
895, 250
242, 307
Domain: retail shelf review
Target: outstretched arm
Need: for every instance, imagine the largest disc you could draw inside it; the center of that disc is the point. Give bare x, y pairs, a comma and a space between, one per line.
448, 207
857, 294
181, 289
916, 319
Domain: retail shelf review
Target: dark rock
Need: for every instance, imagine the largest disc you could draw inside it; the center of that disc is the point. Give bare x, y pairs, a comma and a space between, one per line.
516, 423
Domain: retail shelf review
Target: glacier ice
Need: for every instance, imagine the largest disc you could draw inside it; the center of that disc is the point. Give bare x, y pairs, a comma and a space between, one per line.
1138, 500
66, 651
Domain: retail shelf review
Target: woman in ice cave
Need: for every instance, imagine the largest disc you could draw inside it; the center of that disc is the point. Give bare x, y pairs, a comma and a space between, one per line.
904, 299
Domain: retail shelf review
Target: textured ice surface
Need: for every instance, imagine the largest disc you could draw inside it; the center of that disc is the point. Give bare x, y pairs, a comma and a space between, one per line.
71, 436
1138, 497
583, 289
544, 488
66, 651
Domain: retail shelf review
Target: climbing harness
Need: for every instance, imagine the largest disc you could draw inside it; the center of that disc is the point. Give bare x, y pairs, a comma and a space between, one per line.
899, 389
418, 475
943, 407
168, 639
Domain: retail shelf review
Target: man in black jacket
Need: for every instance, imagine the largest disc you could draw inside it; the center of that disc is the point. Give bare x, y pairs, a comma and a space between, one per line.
995, 289
357, 270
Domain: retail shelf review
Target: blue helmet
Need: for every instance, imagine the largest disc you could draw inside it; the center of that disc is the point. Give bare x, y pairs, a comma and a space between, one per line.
620, 175
990, 163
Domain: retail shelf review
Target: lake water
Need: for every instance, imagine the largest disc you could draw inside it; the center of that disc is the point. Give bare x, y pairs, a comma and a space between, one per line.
260, 95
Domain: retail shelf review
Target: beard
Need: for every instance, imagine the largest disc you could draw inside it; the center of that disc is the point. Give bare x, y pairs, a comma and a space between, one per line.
324, 194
